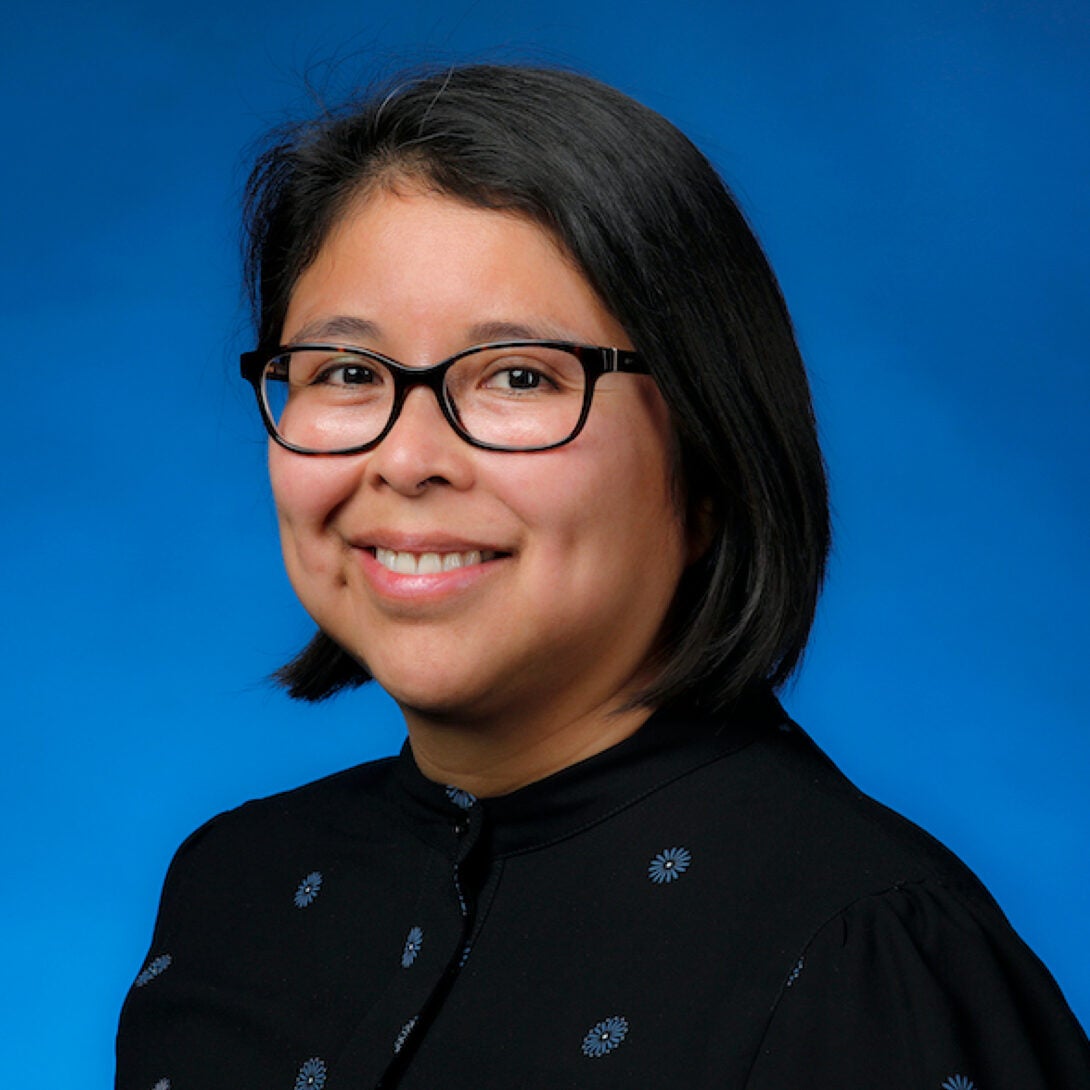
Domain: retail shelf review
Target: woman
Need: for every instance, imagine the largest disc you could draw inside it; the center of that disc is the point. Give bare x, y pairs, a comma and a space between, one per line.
545, 467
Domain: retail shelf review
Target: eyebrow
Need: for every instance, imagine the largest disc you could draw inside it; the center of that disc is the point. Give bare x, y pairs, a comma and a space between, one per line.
337, 327
357, 330
516, 331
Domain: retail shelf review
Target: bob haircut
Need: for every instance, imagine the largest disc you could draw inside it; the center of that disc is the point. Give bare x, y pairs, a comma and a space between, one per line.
660, 238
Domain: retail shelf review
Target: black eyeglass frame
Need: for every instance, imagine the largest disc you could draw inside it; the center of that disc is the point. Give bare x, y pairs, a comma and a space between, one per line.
596, 361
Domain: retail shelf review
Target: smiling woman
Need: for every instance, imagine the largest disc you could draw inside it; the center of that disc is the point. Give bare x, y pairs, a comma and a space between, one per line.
545, 467
576, 551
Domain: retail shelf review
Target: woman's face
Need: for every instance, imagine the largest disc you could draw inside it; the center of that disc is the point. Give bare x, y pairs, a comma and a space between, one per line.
581, 547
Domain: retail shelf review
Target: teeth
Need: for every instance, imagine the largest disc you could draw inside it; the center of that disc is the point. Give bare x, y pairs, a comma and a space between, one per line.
429, 563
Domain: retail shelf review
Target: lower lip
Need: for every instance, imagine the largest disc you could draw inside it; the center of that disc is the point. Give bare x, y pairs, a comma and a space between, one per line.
432, 587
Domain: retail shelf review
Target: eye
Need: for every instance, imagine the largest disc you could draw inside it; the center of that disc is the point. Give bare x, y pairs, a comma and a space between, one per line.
519, 374
335, 373
518, 378
345, 371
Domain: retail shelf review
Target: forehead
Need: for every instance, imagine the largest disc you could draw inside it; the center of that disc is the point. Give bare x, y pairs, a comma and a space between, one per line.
407, 258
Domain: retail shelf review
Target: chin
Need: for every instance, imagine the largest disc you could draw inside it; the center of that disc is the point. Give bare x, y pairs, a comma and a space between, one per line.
437, 707
431, 695
457, 699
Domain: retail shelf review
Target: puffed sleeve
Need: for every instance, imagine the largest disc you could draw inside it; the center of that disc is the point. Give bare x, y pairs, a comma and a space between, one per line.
921, 988
160, 1032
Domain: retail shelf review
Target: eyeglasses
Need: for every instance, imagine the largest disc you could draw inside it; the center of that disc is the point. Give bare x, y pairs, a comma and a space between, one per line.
509, 395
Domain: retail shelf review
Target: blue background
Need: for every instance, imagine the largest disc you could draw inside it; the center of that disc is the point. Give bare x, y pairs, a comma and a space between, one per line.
918, 173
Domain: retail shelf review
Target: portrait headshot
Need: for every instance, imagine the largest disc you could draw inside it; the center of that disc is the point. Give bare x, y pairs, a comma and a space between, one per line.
566, 565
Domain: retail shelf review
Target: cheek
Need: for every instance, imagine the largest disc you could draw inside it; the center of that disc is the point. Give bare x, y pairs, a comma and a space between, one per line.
604, 504
635, 456
307, 491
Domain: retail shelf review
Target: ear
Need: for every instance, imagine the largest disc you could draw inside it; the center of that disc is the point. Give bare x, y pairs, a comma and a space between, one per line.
701, 526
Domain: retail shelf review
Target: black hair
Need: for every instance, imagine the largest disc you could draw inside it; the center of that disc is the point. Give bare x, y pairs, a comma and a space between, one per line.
663, 242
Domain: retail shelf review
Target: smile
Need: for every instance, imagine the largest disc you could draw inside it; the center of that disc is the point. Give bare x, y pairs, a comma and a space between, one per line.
405, 563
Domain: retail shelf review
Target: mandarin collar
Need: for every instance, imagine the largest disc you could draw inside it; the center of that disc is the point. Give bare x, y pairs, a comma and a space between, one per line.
673, 741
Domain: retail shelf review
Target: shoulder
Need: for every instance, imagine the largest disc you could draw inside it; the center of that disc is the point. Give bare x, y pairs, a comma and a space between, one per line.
349, 806
921, 986
898, 968
252, 902
249, 869
807, 834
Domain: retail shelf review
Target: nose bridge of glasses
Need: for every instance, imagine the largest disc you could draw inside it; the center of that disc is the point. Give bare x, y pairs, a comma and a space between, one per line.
407, 380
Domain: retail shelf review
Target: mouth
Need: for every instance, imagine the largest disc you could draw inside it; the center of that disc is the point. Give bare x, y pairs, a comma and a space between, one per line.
431, 563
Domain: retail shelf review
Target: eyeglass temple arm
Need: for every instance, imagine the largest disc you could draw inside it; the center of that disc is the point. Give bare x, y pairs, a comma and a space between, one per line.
250, 364
620, 359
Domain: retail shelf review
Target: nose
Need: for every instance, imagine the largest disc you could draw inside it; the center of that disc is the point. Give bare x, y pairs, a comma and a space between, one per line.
421, 449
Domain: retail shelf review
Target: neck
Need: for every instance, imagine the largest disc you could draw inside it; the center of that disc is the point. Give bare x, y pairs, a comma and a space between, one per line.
489, 758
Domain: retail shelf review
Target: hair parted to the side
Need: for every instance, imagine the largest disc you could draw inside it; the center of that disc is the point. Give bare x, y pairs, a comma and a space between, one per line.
660, 238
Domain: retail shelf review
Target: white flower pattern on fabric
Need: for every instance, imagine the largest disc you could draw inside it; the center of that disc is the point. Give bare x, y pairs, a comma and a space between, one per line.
311, 1075
669, 865
959, 1082
162, 1084
460, 797
413, 941
308, 889
605, 1036
153, 969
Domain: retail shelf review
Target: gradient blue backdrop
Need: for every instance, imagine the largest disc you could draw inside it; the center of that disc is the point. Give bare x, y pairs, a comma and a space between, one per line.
918, 172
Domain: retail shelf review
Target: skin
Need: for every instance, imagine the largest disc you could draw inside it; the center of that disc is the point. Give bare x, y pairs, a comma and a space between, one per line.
511, 669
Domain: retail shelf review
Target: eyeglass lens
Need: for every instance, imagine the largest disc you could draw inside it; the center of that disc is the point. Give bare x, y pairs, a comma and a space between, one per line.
517, 398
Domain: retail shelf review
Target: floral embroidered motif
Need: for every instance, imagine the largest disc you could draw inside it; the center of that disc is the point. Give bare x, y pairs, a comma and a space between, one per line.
311, 1075
162, 1084
460, 797
794, 974
308, 889
152, 970
669, 865
403, 1035
958, 1082
605, 1036
413, 942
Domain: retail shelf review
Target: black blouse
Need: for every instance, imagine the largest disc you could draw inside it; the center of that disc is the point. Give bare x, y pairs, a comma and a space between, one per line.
708, 904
